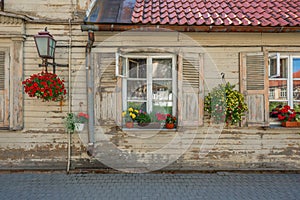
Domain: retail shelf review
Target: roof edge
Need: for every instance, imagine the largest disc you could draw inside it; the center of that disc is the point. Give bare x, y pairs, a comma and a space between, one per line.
183, 28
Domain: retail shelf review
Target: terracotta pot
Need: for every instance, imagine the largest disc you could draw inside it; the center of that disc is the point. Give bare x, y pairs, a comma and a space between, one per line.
290, 124
170, 126
129, 124
143, 124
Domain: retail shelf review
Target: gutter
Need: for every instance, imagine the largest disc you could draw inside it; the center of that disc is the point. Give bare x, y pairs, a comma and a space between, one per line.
154, 27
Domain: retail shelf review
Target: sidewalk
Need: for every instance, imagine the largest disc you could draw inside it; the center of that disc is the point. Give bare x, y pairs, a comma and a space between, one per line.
149, 186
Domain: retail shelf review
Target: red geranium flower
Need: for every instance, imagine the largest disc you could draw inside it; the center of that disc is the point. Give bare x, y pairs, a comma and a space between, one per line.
45, 86
286, 114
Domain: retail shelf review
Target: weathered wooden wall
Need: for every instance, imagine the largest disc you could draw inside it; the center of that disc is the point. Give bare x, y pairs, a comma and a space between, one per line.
43, 141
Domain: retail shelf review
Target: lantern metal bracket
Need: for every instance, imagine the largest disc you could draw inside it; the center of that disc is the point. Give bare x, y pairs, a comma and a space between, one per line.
54, 65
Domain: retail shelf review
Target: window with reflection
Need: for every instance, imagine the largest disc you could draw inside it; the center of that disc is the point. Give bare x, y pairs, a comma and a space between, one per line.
284, 82
149, 82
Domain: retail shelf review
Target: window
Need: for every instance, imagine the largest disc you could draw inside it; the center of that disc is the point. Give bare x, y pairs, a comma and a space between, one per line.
149, 83
3, 92
286, 82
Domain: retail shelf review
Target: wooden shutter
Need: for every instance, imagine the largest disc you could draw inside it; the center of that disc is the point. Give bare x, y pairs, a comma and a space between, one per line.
3, 92
107, 90
190, 90
254, 85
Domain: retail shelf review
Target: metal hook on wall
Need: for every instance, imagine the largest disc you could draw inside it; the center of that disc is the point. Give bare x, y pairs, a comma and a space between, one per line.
223, 77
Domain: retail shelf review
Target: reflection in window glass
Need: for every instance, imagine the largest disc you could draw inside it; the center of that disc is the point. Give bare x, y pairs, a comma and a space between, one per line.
278, 73
136, 90
137, 68
278, 89
162, 68
296, 68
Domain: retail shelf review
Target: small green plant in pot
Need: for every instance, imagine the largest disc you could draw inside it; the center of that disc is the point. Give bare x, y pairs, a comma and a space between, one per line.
143, 118
76, 122
225, 104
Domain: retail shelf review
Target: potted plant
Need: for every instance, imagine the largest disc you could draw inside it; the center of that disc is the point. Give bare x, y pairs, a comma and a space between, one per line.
143, 118
288, 117
157, 120
224, 104
46, 86
170, 121
80, 120
76, 122
129, 117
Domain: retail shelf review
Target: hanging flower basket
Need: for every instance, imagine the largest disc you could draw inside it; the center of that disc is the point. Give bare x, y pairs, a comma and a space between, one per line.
45, 86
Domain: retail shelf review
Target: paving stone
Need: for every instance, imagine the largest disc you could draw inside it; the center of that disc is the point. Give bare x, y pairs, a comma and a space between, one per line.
149, 186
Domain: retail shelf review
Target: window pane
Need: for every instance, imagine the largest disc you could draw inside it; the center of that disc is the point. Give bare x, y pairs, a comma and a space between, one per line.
296, 91
162, 68
136, 89
282, 71
278, 90
296, 68
162, 96
137, 68
162, 90
138, 105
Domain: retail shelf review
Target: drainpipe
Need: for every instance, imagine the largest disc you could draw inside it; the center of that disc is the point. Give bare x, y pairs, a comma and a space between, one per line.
69, 94
90, 93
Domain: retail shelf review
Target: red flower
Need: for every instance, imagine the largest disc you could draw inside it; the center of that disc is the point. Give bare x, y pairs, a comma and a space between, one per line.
46, 86
286, 114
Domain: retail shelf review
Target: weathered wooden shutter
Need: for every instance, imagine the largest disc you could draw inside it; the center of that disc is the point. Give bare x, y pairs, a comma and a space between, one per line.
190, 90
254, 85
107, 90
3, 92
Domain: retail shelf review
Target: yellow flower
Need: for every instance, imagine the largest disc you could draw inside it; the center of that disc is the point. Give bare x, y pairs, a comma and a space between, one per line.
136, 111
130, 114
130, 109
123, 114
133, 116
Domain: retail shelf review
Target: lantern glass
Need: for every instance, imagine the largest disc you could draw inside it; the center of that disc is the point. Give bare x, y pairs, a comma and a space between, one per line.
45, 44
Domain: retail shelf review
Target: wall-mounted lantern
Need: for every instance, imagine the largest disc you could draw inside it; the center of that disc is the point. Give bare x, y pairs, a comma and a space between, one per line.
46, 44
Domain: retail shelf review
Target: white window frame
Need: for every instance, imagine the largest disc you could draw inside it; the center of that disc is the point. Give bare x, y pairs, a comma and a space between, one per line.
277, 57
291, 79
149, 57
290, 87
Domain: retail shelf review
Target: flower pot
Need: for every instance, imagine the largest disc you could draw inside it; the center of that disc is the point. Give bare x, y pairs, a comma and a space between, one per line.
170, 126
129, 124
143, 124
290, 124
79, 127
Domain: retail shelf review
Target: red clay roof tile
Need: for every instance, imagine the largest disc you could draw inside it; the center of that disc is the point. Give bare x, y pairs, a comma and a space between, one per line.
218, 12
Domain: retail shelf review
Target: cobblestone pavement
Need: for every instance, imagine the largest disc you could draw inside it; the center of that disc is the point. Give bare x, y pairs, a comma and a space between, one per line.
149, 186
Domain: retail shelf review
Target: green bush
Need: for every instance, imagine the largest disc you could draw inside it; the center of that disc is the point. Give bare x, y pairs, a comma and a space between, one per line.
225, 104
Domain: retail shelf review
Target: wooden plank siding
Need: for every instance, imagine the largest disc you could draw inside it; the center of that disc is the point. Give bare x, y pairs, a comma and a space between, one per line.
42, 143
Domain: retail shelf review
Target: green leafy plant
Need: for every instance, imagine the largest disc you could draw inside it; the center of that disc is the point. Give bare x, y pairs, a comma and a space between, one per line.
70, 122
225, 104
72, 119
143, 118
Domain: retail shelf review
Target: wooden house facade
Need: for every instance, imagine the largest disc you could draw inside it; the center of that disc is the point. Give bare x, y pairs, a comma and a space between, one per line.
162, 55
